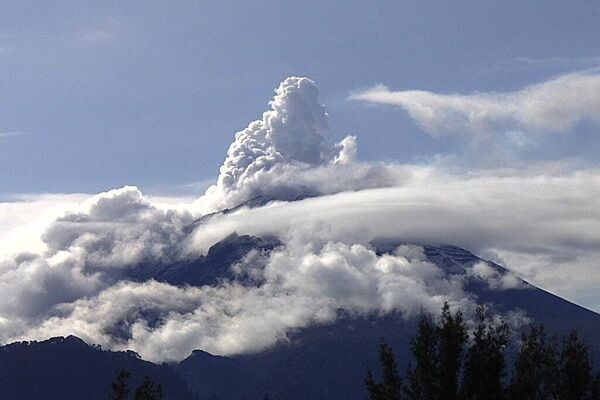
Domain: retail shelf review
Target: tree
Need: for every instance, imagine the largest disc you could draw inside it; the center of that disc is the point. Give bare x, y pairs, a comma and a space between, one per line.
148, 390
485, 364
576, 380
452, 339
422, 379
540, 370
120, 389
390, 388
437, 349
536, 367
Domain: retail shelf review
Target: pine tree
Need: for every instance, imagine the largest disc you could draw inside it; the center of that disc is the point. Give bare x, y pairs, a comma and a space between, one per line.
536, 368
422, 379
390, 388
595, 389
148, 390
452, 338
485, 364
374, 389
576, 380
120, 389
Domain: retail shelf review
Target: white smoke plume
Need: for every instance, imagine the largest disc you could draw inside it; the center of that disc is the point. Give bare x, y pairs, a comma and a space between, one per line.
272, 155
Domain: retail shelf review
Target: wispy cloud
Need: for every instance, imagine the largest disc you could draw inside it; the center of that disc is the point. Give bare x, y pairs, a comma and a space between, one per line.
560, 62
557, 105
99, 36
11, 134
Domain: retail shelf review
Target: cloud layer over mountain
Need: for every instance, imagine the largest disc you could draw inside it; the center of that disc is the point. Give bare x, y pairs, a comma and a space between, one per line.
540, 222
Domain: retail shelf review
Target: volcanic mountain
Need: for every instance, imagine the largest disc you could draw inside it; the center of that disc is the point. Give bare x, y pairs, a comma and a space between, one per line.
325, 360
285, 274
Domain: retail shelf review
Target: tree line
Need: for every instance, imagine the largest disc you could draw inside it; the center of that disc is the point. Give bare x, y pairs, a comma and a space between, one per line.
148, 390
449, 364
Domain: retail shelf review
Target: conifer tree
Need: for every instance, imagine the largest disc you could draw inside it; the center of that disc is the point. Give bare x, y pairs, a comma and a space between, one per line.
536, 368
595, 389
390, 388
485, 364
422, 379
576, 380
120, 389
452, 338
374, 389
148, 390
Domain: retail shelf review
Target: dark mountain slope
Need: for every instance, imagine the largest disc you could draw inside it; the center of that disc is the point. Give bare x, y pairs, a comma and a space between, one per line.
209, 269
329, 362
68, 368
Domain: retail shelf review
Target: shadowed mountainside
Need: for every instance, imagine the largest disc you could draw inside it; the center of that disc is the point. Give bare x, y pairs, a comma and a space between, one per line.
68, 368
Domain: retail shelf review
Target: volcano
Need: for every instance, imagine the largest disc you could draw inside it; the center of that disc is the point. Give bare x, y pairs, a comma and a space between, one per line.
325, 360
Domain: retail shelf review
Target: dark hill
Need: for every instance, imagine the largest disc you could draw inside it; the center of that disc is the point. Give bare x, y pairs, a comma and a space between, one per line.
67, 368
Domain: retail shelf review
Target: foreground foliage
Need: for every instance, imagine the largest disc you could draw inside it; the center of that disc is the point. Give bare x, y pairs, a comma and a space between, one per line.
448, 364
148, 390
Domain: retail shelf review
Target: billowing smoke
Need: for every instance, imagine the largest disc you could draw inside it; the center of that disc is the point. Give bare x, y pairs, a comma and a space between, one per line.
77, 278
276, 157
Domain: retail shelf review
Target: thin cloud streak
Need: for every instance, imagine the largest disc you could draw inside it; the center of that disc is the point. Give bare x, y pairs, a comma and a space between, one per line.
570, 62
555, 106
12, 134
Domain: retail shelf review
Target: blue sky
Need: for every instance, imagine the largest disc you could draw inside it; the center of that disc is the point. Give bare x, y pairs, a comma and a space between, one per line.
150, 93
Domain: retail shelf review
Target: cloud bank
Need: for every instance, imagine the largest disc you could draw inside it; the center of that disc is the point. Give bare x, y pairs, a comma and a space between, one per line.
68, 272
548, 219
554, 106
295, 287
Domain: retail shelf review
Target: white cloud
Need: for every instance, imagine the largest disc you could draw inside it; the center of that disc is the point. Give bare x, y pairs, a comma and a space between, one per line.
548, 219
84, 251
494, 278
298, 286
560, 62
554, 106
11, 134
116, 229
68, 274
74, 288
23, 219
99, 36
